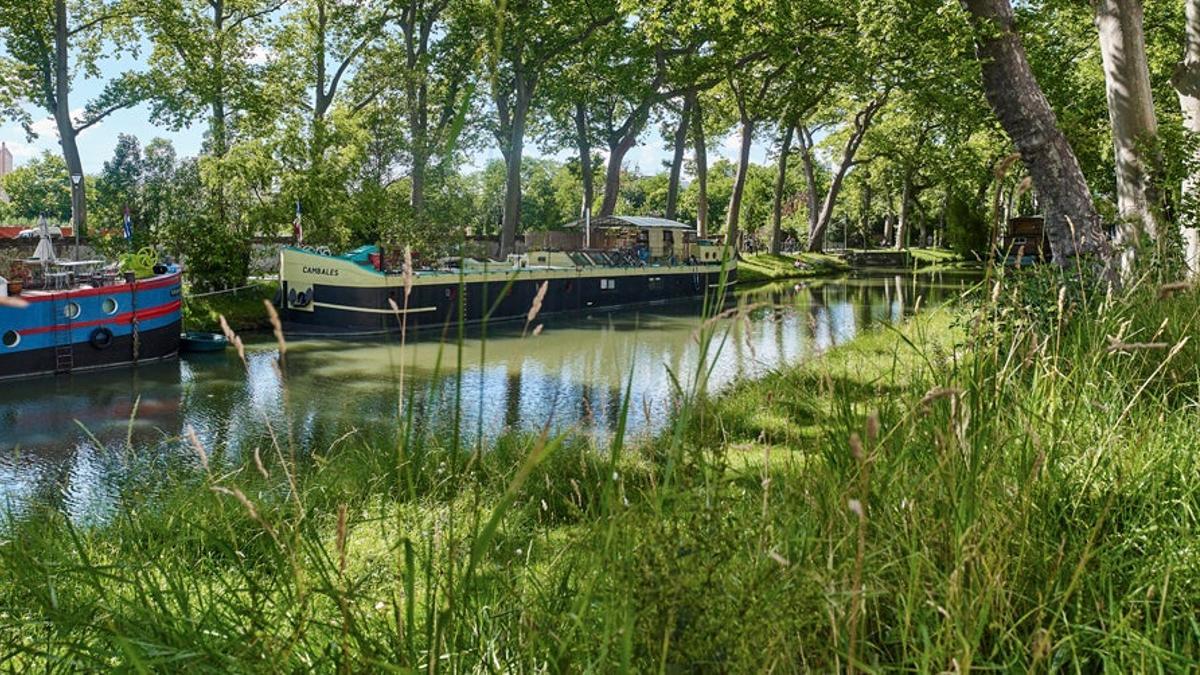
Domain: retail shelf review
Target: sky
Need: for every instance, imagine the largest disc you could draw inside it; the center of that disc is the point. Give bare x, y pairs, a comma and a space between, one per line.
96, 143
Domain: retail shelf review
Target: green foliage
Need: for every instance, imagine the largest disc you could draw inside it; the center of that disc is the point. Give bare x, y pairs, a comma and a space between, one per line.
40, 187
242, 309
968, 231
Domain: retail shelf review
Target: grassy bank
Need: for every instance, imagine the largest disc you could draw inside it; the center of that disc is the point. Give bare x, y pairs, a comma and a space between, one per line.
1012, 489
243, 309
760, 267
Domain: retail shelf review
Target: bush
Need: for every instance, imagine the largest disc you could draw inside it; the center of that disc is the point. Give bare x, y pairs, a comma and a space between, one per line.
967, 230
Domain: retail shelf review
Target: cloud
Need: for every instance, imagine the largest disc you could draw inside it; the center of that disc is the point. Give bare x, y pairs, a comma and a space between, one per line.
47, 128
261, 55
21, 150
731, 145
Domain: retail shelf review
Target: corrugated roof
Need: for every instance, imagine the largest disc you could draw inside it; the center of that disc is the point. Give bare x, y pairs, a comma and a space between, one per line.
634, 221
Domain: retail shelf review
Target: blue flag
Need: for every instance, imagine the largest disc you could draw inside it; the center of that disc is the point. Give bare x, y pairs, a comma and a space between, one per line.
128, 225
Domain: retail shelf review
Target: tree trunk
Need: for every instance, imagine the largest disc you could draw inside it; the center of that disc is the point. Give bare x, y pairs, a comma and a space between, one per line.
701, 174
620, 142
785, 147
681, 132
612, 174
584, 144
733, 215
868, 198
812, 204
902, 225
512, 181
419, 130
923, 233
887, 225
61, 106
1072, 224
862, 122
1134, 126
1187, 84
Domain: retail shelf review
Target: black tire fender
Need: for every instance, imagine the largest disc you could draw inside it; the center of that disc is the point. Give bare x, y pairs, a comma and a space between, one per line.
101, 338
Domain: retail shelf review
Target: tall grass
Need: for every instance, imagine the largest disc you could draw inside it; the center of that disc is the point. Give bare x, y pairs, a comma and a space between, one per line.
1008, 486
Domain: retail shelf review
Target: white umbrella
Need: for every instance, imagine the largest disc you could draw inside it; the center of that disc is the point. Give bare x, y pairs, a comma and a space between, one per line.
45, 249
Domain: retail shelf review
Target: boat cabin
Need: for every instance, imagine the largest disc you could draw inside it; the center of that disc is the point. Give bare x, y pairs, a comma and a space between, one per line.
1025, 239
623, 240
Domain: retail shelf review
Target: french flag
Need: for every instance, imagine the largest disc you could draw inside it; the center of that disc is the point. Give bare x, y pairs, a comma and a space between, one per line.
297, 228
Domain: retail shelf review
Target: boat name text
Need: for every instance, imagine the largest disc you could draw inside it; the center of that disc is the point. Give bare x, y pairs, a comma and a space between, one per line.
323, 271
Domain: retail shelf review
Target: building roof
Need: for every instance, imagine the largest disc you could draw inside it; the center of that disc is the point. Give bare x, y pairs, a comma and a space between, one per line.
633, 221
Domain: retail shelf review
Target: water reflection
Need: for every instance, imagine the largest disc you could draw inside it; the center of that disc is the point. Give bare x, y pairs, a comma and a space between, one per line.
68, 441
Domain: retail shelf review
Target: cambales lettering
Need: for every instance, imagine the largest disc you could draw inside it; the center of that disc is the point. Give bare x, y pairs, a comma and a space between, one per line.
323, 271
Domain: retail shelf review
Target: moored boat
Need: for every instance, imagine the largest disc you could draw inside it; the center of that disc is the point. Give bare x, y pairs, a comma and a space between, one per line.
631, 260
74, 316
193, 342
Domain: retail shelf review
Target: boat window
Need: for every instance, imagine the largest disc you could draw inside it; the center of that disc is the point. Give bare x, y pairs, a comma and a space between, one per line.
110, 306
11, 339
71, 310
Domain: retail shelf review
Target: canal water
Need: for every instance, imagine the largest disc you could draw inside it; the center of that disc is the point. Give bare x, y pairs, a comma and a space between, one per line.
70, 441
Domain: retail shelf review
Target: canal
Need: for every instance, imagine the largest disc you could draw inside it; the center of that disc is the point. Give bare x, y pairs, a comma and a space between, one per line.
70, 441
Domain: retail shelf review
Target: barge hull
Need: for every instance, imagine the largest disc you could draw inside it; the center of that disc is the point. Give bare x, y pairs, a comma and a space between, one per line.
366, 309
154, 345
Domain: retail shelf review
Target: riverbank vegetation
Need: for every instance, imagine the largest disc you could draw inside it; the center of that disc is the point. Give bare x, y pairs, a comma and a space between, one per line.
760, 267
241, 307
1004, 486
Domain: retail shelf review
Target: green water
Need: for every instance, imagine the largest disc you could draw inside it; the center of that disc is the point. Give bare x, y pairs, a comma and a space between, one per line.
70, 441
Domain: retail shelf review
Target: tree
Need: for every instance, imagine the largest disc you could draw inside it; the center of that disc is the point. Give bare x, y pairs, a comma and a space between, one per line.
857, 131
701, 150
750, 89
439, 64
1187, 84
679, 147
527, 39
51, 40
1072, 223
119, 186
1134, 124
320, 48
207, 61
40, 187
785, 148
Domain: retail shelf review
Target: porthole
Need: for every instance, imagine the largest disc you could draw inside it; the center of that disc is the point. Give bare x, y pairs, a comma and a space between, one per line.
11, 339
110, 306
71, 310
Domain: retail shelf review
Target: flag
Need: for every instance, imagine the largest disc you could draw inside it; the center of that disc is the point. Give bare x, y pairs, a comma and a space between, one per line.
128, 225
297, 228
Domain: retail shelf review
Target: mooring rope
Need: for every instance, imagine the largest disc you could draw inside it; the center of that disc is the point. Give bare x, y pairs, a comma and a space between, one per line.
192, 296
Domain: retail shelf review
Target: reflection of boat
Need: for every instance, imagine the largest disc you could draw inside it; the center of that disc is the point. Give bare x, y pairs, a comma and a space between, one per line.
38, 414
628, 261
80, 315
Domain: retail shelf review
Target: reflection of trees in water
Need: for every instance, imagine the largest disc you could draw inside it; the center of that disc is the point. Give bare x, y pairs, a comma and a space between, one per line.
512, 400
570, 373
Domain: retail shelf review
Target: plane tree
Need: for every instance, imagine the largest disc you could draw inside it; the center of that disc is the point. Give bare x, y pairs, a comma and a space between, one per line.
50, 43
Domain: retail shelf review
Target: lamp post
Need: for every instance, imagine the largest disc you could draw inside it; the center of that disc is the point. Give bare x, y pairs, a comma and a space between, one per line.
76, 183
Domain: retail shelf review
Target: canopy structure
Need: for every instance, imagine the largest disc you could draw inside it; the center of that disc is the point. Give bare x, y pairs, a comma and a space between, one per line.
646, 222
44, 252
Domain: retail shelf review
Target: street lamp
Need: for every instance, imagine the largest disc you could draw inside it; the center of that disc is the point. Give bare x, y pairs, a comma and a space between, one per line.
76, 182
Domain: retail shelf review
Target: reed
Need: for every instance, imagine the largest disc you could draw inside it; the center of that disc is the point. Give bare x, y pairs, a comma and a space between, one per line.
1017, 495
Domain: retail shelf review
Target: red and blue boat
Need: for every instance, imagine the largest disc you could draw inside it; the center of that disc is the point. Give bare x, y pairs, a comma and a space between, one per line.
81, 317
